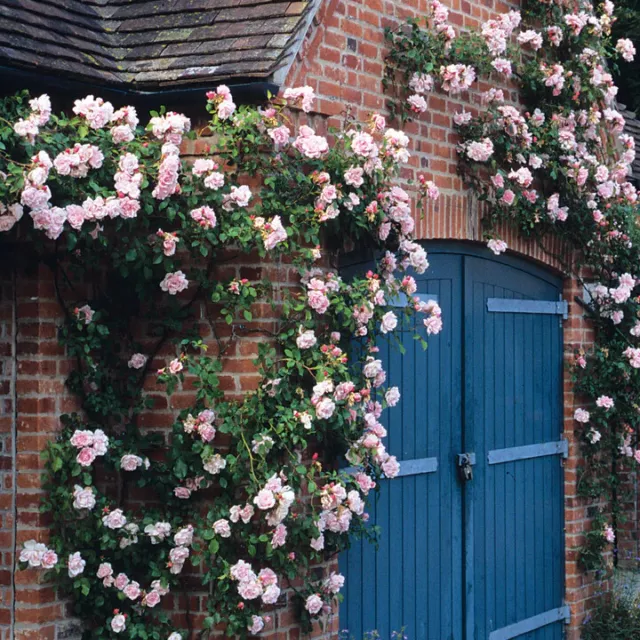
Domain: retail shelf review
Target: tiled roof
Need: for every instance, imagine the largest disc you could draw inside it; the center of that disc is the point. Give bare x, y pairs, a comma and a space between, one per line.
153, 44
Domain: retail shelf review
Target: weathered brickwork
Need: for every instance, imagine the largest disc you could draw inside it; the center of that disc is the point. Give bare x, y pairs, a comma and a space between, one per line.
7, 457
342, 59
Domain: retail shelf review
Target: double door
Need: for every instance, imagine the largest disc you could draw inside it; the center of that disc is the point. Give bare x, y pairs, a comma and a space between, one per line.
471, 544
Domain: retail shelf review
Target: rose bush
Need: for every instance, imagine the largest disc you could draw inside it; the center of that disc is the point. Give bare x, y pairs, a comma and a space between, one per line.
247, 490
555, 162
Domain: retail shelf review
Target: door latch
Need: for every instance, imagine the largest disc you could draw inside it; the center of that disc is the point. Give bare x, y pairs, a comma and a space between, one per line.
465, 465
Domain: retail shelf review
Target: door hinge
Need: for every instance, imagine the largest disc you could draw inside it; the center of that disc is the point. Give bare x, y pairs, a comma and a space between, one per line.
544, 307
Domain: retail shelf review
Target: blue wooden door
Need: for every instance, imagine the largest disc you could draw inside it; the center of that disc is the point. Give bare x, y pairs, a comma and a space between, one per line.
414, 579
478, 559
513, 423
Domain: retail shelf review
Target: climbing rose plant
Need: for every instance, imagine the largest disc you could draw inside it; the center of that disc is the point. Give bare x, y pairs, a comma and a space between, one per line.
142, 244
554, 162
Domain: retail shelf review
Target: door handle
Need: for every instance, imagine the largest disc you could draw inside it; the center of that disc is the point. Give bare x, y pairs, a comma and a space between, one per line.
465, 465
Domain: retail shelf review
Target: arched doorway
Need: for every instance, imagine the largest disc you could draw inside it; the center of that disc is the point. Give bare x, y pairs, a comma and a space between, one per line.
472, 542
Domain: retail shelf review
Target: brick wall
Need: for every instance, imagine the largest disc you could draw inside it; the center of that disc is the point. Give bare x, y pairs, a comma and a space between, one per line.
41, 369
7, 433
342, 58
33, 368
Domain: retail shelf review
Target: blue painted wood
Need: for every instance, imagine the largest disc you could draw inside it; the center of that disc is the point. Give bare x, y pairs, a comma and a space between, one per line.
514, 305
517, 630
460, 561
409, 467
511, 454
414, 579
512, 405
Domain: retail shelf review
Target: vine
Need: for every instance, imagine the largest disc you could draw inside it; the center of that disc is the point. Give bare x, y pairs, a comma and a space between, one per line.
144, 248
554, 162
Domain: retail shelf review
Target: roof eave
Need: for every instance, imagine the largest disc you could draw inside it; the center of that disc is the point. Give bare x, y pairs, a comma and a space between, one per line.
245, 90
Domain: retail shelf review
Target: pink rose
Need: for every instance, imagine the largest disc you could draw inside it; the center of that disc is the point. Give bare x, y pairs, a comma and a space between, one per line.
100, 442
276, 233
104, 570
132, 591
378, 122
309, 144
581, 415
268, 577
250, 590
130, 462
184, 536
122, 581
497, 246
137, 361
122, 133
392, 396
317, 543
325, 408
215, 181
271, 594
222, 528
605, 402
508, 197
205, 217
280, 135
343, 390
242, 571
118, 623
152, 598
334, 582
81, 439
75, 216
256, 626
306, 339
83, 498
305, 96
49, 559
391, 467
86, 457
207, 432
202, 166
174, 283
182, 492
279, 536
417, 103
114, 519
175, 366
365, 482
353, 176
318, 301
389, 322
226, 109
75, 564
313, 604
264, 500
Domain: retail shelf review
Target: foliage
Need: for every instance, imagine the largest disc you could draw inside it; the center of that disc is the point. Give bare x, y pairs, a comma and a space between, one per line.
627, 76
143, 246
556, 162
616, 618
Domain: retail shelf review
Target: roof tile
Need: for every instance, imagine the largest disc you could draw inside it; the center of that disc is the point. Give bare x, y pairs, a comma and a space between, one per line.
148, 44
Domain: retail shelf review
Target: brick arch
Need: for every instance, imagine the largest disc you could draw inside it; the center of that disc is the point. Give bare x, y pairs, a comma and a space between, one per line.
458, 216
